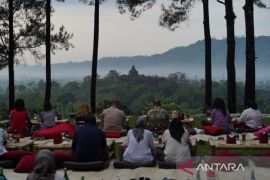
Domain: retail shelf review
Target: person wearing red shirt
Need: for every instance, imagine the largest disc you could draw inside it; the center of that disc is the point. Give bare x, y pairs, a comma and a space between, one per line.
19, 118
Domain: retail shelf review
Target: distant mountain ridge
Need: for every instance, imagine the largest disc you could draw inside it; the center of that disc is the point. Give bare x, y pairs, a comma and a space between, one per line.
187, 59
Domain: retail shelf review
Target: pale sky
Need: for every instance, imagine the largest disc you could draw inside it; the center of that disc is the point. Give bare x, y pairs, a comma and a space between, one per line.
119, 36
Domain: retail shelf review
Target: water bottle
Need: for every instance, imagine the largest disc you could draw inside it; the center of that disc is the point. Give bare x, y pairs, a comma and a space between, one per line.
67, 137
2, 176
252, 177
65, 174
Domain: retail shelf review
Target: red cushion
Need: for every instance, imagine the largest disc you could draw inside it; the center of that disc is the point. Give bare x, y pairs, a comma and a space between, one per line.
263, 130
266, 154
112, 134
61, 157
26, 164
15, 155
212, 130
50, 133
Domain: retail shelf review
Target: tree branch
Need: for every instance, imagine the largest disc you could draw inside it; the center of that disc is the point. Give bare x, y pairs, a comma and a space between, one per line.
221, 2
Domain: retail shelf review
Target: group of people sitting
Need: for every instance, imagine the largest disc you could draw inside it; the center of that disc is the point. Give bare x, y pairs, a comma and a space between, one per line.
139, 145
20, 122
250, 119
89, 140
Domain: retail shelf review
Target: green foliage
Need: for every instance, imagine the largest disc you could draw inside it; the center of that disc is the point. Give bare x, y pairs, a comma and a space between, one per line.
29, 31
135, 93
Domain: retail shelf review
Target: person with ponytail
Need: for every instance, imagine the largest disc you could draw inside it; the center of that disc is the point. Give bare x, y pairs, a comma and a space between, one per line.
176, 141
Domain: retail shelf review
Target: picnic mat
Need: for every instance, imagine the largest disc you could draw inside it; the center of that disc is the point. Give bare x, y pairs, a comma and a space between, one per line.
153, 173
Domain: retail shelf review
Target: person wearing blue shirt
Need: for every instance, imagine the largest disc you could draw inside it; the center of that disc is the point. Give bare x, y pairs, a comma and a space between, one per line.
89, 142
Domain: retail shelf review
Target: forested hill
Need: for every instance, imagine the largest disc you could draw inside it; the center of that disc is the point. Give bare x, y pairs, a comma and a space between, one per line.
188, 59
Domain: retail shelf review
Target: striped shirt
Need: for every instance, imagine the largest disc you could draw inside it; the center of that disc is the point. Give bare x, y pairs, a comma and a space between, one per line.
114, 119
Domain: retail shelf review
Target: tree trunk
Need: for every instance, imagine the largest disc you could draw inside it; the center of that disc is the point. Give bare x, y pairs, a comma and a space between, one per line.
231, 83
95, 58
208, 68
48, 52
11, 56
250, 53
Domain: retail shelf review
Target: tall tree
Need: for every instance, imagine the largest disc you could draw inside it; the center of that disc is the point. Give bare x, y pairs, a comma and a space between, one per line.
177, 13
11, 49
48, 50
250, 95
96, 3
231, 82
22, 29
95, 58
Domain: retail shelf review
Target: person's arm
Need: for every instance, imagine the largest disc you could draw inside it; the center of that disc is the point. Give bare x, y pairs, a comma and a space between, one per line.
101, 117
151, 143
127, 139
243, 116
74, 143
124, 121
28, 121
104, 146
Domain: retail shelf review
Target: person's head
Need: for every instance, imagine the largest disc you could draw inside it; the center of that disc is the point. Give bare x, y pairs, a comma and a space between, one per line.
141, 122
176, 129
220, 104
44, 165
252, 105
156, 102
115, 103
19, 105
47, 106
83, 109
90, 119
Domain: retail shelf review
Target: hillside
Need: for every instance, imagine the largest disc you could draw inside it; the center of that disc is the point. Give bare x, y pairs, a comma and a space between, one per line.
188, 59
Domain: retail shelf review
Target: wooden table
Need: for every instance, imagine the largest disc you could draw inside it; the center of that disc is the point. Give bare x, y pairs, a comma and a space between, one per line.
25, 142
4, 123
38, 121
247, 145
65, 146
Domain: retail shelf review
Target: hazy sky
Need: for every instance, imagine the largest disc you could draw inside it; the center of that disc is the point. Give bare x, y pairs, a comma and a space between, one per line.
119, 36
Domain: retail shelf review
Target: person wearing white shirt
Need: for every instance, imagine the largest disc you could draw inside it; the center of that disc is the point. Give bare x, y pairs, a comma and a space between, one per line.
176, 140
252, 117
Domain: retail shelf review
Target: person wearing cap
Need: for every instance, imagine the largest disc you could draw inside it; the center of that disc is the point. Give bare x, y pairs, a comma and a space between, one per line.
89, 142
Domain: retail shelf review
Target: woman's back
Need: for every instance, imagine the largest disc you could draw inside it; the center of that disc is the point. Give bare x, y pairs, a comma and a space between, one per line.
139, 152
220, 119
175, 151
18, 121
48, 118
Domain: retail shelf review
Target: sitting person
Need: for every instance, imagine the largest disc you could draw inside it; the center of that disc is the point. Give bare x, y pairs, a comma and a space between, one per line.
83, 110
113, 118
251, 117
44, 167
176, 141
158, 118
220, 116
140, 144
48, 116
14, 155
89, 142
19, 118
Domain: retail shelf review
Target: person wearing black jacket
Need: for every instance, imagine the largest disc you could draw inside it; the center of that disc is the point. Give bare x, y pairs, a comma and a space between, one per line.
89, 142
